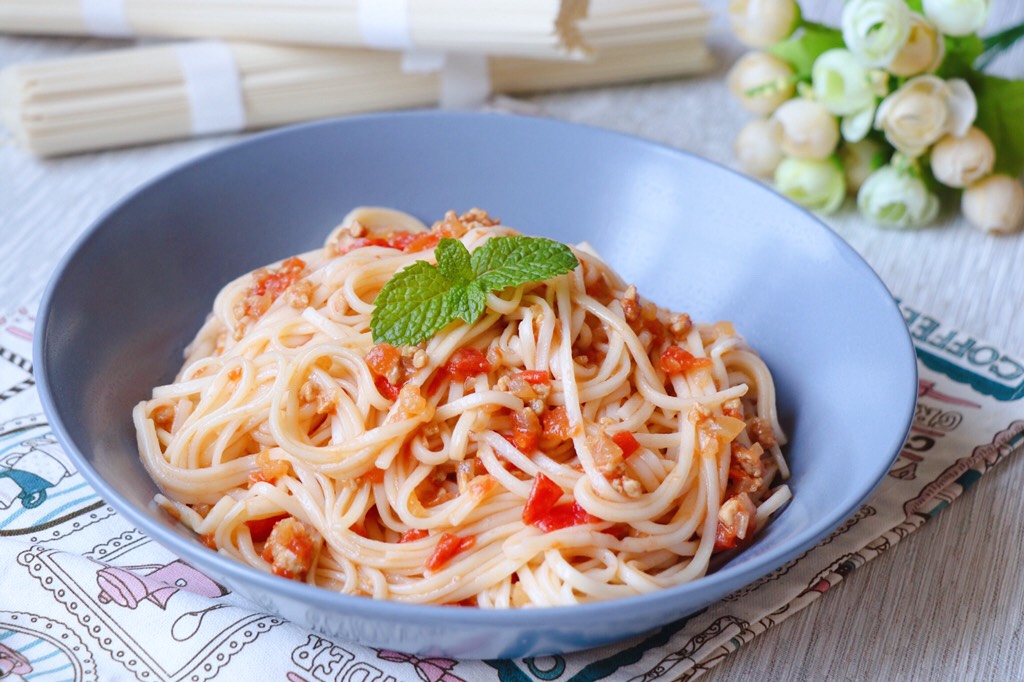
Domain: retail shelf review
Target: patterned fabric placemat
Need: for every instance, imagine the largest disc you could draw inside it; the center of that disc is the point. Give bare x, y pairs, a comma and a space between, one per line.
84, 596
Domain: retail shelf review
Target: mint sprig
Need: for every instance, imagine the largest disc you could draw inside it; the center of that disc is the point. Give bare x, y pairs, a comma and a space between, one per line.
423, 298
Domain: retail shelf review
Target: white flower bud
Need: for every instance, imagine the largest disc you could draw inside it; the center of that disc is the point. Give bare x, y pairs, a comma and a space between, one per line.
809, 131
758, 147
762, 23
875, 30
923, 110
957, 17
860, 159
995, 204
898, 199
761, 82
841, 82
961, 161
923, 51
817, 185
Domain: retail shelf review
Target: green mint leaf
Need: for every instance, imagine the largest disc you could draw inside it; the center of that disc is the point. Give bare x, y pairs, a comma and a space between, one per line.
453, 261
511, 261
467, 302
802, 48
1000, 112
412, 306
424, 298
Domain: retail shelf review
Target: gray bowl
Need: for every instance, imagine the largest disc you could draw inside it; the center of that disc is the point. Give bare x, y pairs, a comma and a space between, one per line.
691, 235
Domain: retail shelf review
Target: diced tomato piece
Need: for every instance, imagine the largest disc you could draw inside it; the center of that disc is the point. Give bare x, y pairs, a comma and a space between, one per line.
259, 529
725, 538
544, 494
627, 443
676, 360
735, 518
274, 282
563, 516
447, 547
209, 541
467, 362
422, 242
535, 376
556, 424
386, 388
435, 383
400, 240
525, 430
359, 243
383, 358
618, 531
374, 475
413, 534
267, 285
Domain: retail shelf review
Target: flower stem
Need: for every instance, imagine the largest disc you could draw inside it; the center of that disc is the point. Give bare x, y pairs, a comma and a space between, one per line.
998, 43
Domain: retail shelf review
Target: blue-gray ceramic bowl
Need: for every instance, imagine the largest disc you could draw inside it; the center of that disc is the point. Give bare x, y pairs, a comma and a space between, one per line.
690, 234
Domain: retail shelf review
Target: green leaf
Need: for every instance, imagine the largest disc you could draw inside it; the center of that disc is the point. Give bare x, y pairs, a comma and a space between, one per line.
414, 304
511, 261
467, 302
961, 53
453, 260
424, 298
802, 48
1000, 116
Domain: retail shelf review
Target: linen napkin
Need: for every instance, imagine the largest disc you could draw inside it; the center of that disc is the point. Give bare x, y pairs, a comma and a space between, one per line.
85, 596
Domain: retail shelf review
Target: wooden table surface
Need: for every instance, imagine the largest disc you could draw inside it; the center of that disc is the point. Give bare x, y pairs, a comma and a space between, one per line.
946, 604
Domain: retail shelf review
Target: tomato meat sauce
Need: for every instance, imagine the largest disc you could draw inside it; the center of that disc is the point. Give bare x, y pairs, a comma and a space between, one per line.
268, 284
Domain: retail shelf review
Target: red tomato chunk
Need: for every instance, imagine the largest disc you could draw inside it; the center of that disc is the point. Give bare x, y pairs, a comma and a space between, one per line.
627, 443
259, 529
563, 516
544, 494
543, 511
675, 360
467, 362
447, 547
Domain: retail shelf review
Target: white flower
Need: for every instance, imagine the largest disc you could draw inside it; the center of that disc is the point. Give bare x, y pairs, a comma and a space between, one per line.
923, 110
923, 52
995, 204
762, 23
860, 159
961, 161
897, 198
761, 82
841, 82
816, 185
758, 147
957, 17
809, 131
875, 30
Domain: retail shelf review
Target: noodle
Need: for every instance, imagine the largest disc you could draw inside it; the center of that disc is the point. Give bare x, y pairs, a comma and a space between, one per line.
575, 443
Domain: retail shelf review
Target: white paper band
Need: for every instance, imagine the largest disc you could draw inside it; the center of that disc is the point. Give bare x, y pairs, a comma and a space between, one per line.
106, 18
214, 87
465, 81
384, 24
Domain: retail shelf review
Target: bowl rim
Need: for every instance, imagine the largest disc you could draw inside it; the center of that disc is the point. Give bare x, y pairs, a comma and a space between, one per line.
426, 614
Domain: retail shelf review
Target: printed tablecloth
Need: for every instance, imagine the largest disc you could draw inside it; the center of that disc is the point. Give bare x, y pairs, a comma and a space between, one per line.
85, 596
